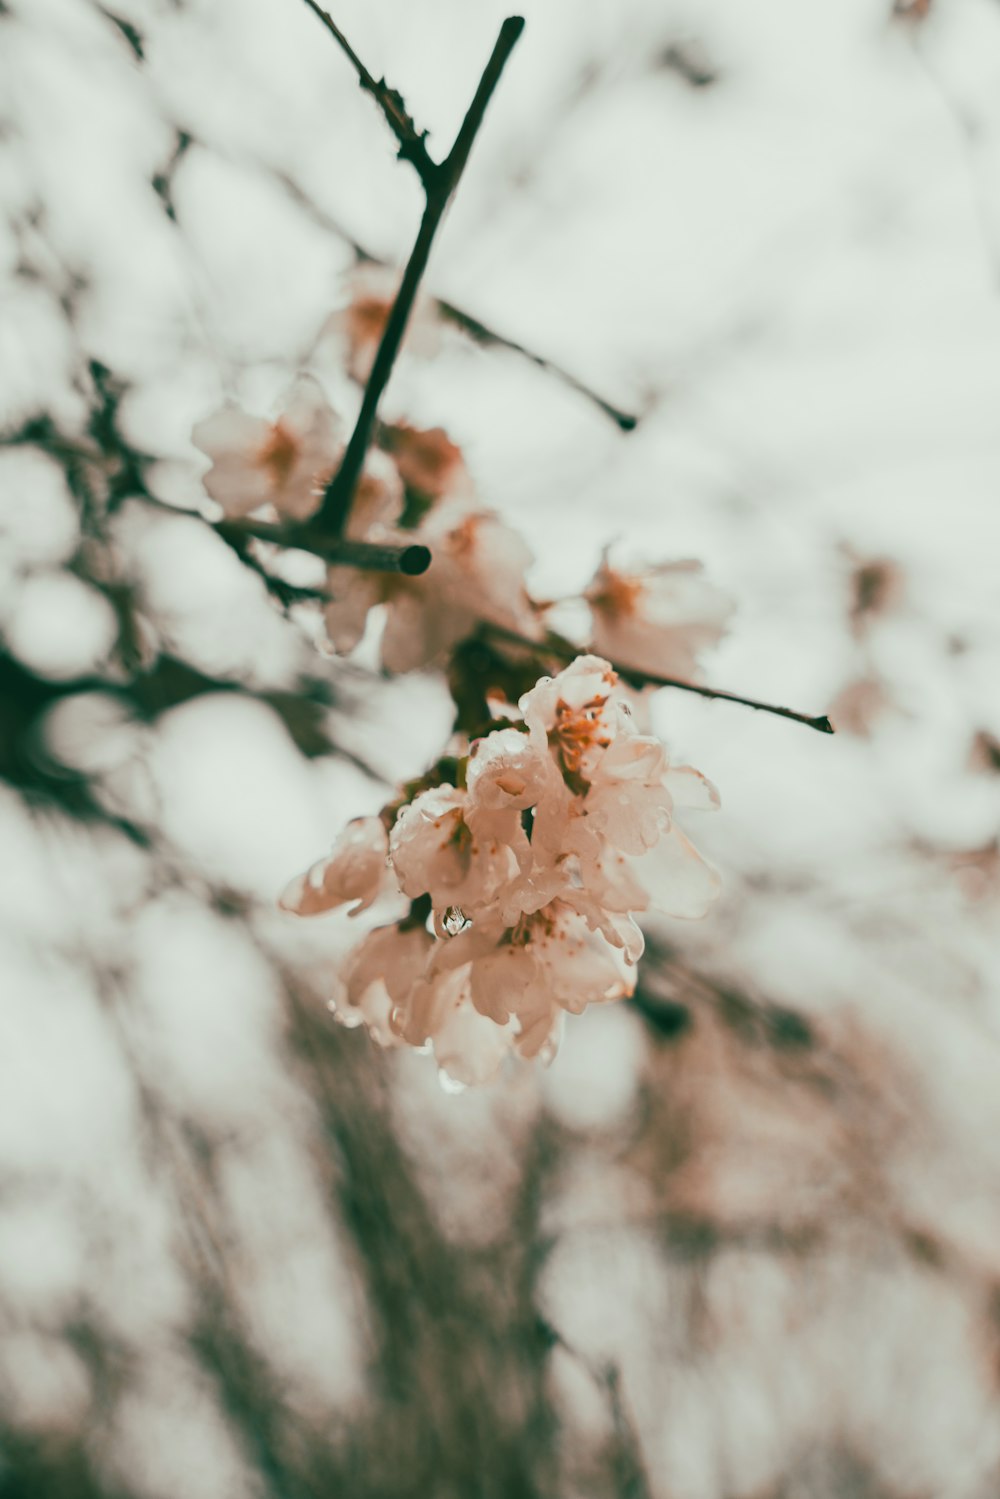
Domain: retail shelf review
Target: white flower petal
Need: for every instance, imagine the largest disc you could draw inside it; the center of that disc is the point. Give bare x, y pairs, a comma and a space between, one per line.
680, 882
356, 870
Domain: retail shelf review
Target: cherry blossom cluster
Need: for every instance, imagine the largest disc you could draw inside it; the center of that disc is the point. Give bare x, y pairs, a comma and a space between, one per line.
525, 870
514, 870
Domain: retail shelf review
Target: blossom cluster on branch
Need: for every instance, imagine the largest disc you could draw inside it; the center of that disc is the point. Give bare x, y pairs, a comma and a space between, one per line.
515, 868
525, 864
416, 488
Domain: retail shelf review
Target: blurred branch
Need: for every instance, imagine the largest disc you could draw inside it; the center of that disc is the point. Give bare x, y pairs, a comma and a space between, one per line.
412, 142
565, 650
628, 1467
626, 421
444, 1322
969, 129
439, 188
411, 560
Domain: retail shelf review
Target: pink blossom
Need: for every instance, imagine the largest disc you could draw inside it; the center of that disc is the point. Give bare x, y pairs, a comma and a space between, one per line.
535, 868
437, 849
355, 870
283, 463
656, 619
476, 574
361, 323
428, 463
379, 975
549, 962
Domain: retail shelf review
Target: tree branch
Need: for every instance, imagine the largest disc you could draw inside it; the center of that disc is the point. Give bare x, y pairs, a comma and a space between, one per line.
412, 142
474, 328
480, 333
411, 560
567, 651
439, 188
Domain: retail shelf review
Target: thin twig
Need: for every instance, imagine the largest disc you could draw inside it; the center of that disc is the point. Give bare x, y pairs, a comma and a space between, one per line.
565, 649
339, 494
412, 142
626, 421
630, 1471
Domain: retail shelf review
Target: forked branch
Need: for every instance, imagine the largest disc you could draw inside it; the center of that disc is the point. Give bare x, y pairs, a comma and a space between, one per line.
440, 181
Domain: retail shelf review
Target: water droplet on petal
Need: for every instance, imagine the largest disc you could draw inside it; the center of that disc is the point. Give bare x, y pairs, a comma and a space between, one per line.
345, 1015
448, 1083
451, 922
547, 1054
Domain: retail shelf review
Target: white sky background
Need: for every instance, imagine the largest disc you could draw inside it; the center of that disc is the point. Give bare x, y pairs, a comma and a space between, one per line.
795, 274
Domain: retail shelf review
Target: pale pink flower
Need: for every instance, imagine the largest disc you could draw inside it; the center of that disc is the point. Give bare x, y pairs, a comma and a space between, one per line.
656, 619
535, 867
615, 829
283, 463
476, 574
379, 976
469, 1049
614, 775
437, 849
627, 803
679, 880
429, 464
506, 772
371, 291
576, 716
387, 988
549, 962
352, 594
378, 500
356, 870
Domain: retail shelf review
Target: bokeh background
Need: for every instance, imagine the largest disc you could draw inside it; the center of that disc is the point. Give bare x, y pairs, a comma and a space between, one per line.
743, 1239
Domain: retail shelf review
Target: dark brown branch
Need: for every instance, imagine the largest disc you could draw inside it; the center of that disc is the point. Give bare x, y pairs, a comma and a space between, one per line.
479, 332
412, 142
554, 645
411, 560
340, 491
819, 722
626, 421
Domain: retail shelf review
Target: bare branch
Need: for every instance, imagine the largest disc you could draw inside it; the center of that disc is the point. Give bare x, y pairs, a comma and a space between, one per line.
819, 722
411, 560
473, 327
340, 491
412, 142
480, 333
555, 645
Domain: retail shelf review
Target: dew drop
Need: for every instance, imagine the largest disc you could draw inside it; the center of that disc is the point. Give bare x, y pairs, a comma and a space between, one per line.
547, 1053
453, 921
345, 1015
448, 1083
